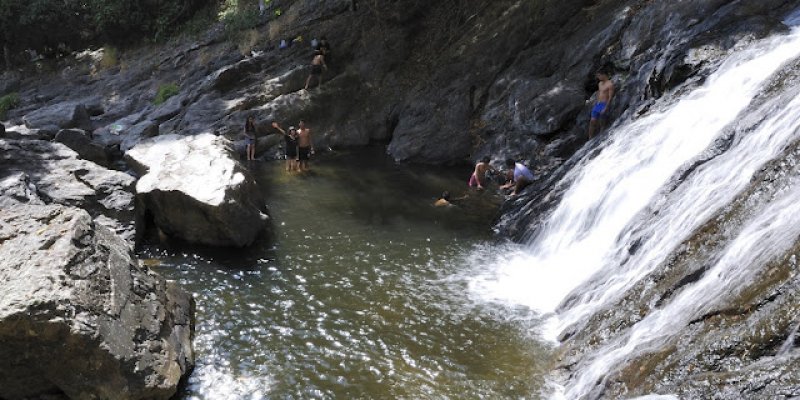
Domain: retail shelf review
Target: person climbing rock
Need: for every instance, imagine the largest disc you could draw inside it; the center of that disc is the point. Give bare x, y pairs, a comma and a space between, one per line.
478, 177
317, 65
290, 152
305, 146
605, 93
250, 138
325, 48
519, 176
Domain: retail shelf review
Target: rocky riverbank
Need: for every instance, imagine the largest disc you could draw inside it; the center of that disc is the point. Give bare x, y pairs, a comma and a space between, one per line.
439, 82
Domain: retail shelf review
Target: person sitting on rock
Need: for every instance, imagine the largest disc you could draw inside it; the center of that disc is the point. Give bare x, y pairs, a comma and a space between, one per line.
317, 65
605, 92
250, 138
478, 177
519, 176
290, 152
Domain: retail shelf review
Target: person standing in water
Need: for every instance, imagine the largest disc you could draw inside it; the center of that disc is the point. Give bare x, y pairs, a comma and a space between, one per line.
478, 177
291, 146
305, 146
519, 176
317, 65
605, 93
250, 137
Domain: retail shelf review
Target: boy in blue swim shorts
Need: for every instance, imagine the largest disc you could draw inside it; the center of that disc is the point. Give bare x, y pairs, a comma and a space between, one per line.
605, 92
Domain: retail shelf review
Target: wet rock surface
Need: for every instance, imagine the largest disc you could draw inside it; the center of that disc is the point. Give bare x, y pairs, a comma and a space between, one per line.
79, 317
196, 191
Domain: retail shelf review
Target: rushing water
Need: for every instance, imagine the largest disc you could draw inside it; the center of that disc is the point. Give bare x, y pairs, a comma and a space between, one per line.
619, 200
356, 299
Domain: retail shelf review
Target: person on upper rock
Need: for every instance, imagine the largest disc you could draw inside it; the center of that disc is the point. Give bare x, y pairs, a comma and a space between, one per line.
518, 176
324, 47
605, 93
250, 138
317, 65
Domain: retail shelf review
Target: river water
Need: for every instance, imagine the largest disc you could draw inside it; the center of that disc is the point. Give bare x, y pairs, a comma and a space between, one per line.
362, 295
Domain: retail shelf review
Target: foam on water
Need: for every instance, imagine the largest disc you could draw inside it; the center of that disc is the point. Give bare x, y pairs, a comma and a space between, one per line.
590, 230
619, 220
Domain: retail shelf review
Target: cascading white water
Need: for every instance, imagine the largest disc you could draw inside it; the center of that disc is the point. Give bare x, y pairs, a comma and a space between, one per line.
778, 225
589, 230
587, 236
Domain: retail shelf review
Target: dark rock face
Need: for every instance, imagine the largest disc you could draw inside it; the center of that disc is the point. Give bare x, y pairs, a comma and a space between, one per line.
80, 317
81, 142
59, 116
56, 175
196, 191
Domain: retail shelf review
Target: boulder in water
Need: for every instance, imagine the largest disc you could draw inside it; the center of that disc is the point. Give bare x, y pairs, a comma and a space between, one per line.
196, 191
79, 316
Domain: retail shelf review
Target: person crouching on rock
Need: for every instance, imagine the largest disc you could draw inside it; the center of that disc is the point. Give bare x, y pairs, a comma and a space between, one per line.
291, 146
317, 65
519, 176
250, 137
478, 177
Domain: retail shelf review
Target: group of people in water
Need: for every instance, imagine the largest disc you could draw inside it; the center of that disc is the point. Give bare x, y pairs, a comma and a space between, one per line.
299, 146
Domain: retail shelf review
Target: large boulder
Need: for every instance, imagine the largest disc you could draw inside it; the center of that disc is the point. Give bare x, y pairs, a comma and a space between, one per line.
80, 317
196, 191
81, 142
61, 177
59, 116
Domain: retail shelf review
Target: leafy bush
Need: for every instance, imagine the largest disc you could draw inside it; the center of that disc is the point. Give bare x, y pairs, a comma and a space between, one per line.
8, 102
238, 17
165, 92
59, 27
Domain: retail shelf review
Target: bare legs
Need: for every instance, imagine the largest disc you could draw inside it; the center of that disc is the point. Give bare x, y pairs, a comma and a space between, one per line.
308, 81
596, 125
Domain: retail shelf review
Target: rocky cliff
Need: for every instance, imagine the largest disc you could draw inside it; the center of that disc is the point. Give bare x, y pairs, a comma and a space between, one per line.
449, 81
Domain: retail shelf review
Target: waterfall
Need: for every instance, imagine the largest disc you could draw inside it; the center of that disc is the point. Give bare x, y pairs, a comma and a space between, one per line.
620, 219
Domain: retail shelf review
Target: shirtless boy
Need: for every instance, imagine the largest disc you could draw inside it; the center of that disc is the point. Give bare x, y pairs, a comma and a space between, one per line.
317, 65
605, 93
478, 177
305, 146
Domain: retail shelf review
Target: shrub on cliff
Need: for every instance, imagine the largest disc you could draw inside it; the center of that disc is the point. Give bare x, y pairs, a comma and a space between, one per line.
165, 92
8, 102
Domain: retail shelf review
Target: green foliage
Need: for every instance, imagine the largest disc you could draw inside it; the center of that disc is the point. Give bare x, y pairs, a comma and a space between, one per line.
53, 27
8, 102
238, 16
165, 92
